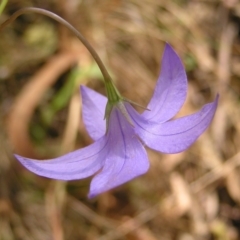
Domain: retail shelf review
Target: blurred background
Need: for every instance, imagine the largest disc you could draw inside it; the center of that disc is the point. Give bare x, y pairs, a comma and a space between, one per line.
186, 196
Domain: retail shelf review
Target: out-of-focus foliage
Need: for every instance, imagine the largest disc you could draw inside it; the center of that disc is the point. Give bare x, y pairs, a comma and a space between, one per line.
3, 5
192, 195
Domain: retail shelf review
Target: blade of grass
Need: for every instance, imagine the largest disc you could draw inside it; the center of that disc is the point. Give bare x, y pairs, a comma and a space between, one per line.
3, 5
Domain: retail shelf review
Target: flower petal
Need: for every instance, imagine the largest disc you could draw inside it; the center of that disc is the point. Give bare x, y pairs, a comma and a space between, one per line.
171, 89
94, 105
127, 158
78, 164
176, 135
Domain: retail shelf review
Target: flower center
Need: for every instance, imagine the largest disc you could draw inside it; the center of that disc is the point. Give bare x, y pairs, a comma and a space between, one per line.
115, 100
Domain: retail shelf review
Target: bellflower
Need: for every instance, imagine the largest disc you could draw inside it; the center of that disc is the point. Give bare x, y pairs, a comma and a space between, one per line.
118, 154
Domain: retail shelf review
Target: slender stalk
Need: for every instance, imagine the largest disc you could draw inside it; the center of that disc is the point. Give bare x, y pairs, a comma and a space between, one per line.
57, 18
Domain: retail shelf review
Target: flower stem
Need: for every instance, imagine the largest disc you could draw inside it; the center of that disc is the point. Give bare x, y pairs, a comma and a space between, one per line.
57, 18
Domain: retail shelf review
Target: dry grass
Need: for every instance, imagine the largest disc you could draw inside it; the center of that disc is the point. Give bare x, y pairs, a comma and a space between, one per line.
192, 195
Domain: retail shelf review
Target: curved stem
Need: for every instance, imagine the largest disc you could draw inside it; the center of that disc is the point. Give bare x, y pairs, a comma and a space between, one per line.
57, 18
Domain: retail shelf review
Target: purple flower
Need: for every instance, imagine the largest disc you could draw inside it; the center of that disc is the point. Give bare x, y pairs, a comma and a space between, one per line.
118, 154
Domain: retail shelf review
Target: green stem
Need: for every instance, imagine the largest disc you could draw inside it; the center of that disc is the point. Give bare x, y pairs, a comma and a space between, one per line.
112, 93
104, 71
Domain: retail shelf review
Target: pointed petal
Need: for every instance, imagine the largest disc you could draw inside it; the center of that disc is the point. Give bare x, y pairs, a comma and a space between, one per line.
126, 159
171, 89
176, 135
94, 105
75, 165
